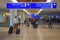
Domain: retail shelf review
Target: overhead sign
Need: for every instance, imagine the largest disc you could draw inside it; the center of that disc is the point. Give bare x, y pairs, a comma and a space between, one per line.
35, 16
37, 5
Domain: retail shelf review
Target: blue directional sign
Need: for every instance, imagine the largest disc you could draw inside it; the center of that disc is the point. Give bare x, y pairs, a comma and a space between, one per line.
41, 5
17, 6
31, 5
54, 5
34, 16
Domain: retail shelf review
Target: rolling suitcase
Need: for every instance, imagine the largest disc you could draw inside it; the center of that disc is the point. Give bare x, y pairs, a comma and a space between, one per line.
35, 26
10, 30
17, 31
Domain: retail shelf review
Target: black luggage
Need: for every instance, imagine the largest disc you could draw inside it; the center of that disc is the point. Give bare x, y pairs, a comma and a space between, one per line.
35, 25
10, 30
17, 31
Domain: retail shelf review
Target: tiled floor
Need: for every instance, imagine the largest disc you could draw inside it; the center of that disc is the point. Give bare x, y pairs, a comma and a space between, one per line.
30, 33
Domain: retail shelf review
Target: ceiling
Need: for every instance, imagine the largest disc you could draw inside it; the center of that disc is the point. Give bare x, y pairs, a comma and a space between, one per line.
3, 3
3, 6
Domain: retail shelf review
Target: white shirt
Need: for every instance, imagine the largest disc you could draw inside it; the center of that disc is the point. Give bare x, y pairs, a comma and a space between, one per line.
15, 20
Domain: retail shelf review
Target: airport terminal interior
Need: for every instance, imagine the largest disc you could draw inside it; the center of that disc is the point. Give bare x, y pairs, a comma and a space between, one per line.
46, 24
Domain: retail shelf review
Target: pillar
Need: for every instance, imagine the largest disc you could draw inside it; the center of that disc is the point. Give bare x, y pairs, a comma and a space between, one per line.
13, 13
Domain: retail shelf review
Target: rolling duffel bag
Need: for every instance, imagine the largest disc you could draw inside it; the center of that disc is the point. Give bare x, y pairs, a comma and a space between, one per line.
10, 30
17, 31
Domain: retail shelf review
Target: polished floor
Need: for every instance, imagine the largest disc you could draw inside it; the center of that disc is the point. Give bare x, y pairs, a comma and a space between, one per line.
30, 33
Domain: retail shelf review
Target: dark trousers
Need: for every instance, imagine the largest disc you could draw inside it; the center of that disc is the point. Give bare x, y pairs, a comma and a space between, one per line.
49, 25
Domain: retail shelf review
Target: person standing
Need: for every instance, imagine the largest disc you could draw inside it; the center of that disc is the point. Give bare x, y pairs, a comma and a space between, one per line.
50, 23
16, 25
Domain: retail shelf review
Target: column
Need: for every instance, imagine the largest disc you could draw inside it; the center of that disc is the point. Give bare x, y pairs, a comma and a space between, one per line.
13, 13
21, 17
11, 19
